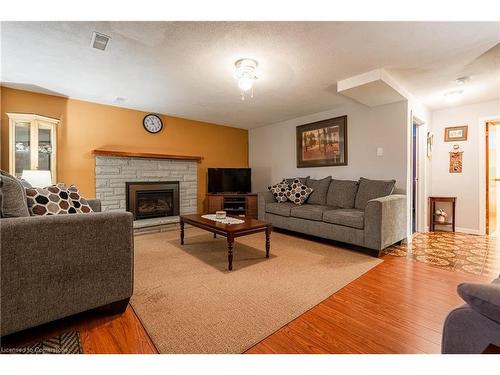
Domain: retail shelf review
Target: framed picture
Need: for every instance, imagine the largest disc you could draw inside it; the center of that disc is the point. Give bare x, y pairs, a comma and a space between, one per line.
322, 143
455, 133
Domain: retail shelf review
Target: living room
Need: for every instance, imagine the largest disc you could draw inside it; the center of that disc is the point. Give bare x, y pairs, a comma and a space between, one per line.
249, 187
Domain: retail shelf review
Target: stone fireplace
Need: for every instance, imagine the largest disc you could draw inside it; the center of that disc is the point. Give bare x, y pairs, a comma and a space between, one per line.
115, 175
150, 199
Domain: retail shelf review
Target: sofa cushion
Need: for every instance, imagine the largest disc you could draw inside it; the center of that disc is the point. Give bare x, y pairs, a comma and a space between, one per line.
14, 202
342, 193
298, 192
281, 209
80, 204
309, 211
279, 191
303, 180
348, 217
320, 189
52, 200
483, 298
371, 189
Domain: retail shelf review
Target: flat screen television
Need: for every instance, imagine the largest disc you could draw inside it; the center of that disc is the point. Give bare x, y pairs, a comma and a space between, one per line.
229, 180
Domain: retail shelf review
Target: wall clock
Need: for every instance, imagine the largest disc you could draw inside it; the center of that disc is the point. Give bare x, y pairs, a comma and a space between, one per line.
152, 123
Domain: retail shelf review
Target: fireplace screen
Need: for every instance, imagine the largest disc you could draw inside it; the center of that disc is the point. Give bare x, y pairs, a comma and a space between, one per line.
154, 204
153, 199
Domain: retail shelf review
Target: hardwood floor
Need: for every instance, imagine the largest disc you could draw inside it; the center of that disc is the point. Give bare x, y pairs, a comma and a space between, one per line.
397, 307
99, 333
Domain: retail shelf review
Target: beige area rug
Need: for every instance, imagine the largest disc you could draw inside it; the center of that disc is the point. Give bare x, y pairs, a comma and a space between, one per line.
189, 303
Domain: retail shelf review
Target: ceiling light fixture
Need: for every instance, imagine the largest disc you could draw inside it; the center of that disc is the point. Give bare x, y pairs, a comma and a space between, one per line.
245, 74
453, 96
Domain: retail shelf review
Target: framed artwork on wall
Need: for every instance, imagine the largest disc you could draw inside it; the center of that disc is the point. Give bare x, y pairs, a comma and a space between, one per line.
455, 133
322, 143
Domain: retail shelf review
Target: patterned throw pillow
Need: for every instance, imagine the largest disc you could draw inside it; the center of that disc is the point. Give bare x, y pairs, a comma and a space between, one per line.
279, 191
298, 192
52, 200
81, 205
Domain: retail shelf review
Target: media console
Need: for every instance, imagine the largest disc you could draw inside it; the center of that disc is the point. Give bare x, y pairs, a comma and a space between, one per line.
233, 204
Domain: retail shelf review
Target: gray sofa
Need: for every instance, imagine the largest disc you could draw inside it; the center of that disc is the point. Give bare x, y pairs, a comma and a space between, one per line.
470, 328
363, 213
56, 266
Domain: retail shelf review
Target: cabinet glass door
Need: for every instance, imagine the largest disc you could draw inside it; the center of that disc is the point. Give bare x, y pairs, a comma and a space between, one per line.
22, 147
45, 147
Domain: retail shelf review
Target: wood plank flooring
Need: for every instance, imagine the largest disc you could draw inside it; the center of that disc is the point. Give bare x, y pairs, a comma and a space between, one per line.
397, 307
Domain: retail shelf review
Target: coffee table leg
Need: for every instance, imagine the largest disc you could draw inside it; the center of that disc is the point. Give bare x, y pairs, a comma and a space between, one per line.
230, 243
268, 240
215, 235
182, 232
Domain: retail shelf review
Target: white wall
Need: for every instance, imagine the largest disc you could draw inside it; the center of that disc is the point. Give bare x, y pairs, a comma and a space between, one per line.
466, 185
272, 148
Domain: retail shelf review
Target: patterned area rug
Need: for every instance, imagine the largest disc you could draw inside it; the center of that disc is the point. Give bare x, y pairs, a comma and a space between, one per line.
65, 343
479, 255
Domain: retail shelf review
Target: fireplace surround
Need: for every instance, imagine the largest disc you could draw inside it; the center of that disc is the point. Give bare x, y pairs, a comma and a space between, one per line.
149, 199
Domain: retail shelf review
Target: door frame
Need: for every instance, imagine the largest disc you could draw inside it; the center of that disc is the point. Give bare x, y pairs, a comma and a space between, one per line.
420, 201
482, 170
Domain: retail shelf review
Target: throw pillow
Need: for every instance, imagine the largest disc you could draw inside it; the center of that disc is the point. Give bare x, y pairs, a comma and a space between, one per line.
342, 193
298, 192
371, 189
51, 200
320, 189
81, 205
303, 180
13, 197
483, 298
279, 191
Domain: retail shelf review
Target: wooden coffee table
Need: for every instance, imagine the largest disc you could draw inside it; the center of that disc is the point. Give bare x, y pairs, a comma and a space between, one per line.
230, 231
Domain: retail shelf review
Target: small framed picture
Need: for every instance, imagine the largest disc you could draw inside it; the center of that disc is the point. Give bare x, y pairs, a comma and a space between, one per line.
455, 133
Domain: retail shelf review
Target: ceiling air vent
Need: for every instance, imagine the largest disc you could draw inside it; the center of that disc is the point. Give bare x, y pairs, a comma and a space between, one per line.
99, 41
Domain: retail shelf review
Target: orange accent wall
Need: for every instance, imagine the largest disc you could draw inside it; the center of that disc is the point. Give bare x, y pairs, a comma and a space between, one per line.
86, 126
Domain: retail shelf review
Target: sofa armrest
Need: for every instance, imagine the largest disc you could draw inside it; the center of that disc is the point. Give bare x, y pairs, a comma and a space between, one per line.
56, 266
263, 198
95, 204
385, 221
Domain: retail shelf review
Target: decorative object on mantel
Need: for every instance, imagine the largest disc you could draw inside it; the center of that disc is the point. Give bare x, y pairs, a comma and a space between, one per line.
456, 159
148, 155
430, 142
455, 133
322, 143
152, 123
227, 220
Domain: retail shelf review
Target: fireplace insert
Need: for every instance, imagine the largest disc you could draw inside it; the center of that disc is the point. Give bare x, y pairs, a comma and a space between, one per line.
152, 199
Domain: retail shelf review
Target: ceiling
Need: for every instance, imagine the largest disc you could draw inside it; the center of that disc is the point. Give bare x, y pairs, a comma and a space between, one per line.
186, 69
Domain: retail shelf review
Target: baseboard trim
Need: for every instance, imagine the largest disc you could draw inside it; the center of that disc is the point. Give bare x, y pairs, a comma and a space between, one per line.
467, 230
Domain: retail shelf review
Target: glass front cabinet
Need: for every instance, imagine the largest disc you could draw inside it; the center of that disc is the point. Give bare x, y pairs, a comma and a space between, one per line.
32, 143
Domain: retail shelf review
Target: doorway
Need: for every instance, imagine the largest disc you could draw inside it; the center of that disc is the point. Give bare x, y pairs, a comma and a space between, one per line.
492, 177
416, 187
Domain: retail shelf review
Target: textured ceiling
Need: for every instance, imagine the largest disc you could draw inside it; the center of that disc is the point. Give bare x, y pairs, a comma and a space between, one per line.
186, 69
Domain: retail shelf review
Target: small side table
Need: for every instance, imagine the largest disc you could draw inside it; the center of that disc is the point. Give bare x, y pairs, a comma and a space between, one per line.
432, 209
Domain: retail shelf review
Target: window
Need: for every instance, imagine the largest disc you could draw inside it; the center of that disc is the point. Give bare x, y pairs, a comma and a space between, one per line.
32, 143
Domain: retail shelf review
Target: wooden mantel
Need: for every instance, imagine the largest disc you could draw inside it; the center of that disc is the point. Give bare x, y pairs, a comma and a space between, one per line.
150, 155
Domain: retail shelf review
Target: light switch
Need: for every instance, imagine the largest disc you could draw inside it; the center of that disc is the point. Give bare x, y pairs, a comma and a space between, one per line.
380, 151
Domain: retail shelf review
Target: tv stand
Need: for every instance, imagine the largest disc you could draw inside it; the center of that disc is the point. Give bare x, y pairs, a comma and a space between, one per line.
233, 203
